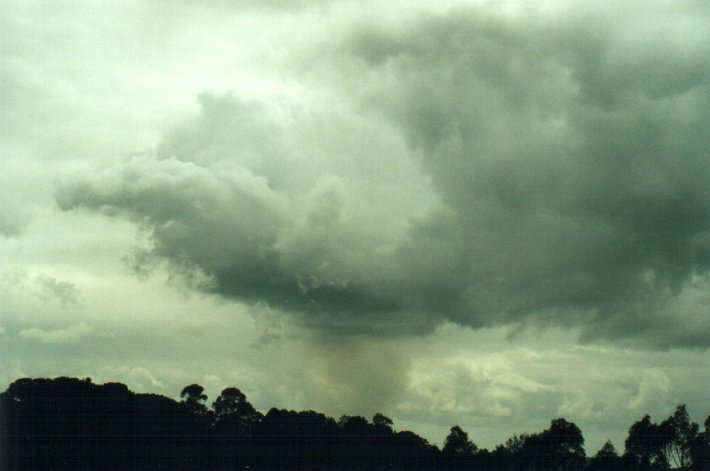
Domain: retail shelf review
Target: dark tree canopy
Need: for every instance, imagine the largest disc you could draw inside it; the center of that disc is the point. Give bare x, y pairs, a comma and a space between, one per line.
606, 459
194, 398
679, 434
233, 404
229, 402
458, 451
644, 445
559, 447
74, 424
457, 443
382, 421
607, 451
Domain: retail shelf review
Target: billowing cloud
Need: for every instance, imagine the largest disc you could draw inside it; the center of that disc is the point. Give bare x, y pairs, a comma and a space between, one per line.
139, 377
652, 392
524, 166
315, 180
577, 185
310, 230
70, 334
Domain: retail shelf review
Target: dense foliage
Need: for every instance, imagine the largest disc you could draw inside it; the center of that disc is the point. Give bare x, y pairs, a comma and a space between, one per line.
69, 423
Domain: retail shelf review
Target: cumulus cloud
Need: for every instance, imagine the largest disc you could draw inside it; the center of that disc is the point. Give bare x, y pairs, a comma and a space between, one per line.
40, 296
483, 389
137, 377
63, 292
653, 392
483, 166
70, 334
307, 232
573, 189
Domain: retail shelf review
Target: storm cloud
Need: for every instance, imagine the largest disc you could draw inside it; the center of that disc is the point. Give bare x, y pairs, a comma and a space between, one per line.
472, 212
520, 166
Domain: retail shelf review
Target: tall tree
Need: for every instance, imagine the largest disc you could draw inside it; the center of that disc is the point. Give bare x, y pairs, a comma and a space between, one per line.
559, 447
679, 434
701, 449
457, 443
233, 413
380, 420
606, 459
458, 451
644, 445
194, 398
229, 402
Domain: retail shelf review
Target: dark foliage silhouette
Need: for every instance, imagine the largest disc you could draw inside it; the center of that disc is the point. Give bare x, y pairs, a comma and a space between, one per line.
607, 459
679, 433
74, 424
700, 449
458, 451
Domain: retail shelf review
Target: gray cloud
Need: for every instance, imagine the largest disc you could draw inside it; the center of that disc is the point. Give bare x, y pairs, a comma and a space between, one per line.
10, 226
227, 199
570, 151
63, 291
488, 169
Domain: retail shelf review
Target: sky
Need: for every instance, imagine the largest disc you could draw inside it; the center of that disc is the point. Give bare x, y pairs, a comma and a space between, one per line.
483, 213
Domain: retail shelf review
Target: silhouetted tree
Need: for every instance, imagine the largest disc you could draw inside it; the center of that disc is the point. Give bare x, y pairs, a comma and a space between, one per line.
354, 425
679, 434
232, 430
701, 449
414, 452
382, 421
514, 445
644, 445
229, 402
607, 459
67, 423
458, 450
194, 399
298, 440
232, 405
561, 447
73, 424
457, 443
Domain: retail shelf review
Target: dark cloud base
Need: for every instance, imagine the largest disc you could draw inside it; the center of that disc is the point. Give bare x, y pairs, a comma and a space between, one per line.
567, 156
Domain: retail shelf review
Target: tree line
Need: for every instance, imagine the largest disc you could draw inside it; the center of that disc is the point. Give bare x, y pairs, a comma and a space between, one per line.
74, 424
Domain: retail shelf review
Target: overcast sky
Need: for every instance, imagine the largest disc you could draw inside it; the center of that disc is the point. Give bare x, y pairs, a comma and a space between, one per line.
483, 213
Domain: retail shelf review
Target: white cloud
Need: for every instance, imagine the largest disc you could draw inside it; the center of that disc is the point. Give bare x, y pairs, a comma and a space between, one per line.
653, 392
137, 378
70, 334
